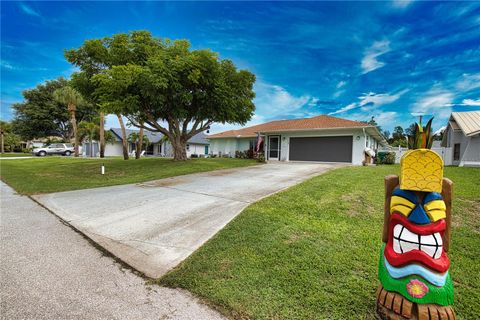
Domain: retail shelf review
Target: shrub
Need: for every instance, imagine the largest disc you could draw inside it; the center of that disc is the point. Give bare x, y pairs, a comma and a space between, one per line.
194, 155
385, 157
261, 157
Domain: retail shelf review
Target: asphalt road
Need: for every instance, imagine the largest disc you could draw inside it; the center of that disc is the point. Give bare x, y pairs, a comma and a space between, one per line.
49, 271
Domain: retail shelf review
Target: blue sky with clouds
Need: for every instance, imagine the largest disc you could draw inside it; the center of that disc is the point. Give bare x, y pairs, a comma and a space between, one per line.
351, 60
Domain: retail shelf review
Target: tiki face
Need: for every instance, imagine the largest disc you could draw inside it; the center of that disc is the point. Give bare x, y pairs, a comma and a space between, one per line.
414, 262
416, 230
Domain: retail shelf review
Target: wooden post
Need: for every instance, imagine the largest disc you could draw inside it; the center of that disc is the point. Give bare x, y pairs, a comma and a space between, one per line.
447, 190
391, 181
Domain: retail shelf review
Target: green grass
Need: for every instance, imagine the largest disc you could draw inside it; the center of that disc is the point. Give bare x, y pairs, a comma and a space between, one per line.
14, 154
52, 174
311, 252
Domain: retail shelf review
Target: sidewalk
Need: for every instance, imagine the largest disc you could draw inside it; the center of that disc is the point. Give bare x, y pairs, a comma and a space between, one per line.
48, 271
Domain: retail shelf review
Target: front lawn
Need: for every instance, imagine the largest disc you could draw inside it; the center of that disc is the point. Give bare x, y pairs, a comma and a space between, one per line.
14, 154
52, 174
311, 252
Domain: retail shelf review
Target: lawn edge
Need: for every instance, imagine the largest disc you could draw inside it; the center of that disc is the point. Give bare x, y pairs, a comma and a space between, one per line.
224, 310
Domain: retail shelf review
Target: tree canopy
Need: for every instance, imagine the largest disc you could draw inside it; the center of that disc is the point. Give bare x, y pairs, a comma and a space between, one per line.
163, 85
41, 115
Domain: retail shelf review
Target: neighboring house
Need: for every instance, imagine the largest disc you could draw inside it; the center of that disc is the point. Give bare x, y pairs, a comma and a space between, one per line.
322, 138
198, 144
463, 135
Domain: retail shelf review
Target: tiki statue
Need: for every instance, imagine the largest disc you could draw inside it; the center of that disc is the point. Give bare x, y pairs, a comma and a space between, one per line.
414, 266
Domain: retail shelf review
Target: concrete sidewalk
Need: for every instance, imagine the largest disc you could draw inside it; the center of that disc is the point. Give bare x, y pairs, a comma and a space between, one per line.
48, 271
154, 226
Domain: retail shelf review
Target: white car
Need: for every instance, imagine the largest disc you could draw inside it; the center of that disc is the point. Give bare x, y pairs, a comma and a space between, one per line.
65, 149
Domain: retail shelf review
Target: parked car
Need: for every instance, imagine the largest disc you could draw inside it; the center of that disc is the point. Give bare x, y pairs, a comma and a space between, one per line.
65, 149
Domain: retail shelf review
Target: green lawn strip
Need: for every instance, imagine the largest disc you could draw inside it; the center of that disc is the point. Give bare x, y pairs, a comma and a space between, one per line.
15, 154
311, 252
53, 174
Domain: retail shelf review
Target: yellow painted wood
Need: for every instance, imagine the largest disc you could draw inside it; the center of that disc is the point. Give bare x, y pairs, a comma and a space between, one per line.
396, 200
402, 209
436, 215
421, 170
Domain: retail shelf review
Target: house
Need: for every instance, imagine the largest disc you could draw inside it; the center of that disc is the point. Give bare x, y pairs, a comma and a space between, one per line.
322, 138
463, 135
198, 144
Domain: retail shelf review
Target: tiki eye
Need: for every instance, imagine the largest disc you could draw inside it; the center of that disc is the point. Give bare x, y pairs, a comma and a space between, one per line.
401, 205
436, 210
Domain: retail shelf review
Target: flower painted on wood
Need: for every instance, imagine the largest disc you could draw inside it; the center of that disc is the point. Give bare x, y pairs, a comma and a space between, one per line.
416, 288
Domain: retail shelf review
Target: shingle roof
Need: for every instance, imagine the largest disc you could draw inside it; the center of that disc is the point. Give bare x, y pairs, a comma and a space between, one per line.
468, 121
319, 122
155, 137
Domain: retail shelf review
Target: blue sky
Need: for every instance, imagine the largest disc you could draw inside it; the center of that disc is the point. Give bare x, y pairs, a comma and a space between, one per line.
351, 60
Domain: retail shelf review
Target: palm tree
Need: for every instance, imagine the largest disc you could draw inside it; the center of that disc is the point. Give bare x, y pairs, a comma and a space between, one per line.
71, 98
139, 140
89, 130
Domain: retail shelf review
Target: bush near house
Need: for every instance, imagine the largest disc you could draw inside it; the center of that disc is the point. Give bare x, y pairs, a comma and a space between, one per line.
384, 157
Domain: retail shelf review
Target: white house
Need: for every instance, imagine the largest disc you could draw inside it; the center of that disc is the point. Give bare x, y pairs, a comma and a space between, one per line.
463, 135
198, 145
322, 138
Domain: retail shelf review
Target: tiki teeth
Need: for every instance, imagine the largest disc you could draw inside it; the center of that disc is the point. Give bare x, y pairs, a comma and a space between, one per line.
405, 240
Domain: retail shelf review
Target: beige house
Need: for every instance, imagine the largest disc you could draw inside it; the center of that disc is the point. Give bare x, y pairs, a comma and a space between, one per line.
320, 139
463, 136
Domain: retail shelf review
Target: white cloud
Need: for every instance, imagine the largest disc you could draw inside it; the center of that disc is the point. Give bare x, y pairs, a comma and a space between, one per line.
271, 102
28, 10
380, 98
345, 109
471, 102
436, 102
401, 3
370, 58
371, 101
275, 100
341, 84
468, 82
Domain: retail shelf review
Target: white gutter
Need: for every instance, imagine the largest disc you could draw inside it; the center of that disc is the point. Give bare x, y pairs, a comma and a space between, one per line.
364, 138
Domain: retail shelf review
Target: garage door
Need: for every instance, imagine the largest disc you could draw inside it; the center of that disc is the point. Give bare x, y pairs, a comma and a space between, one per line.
329, 149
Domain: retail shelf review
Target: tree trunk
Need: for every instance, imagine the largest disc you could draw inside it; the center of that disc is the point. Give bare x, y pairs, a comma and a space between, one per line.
179, 149
139, 144
124, 137
91, 146
102, 134
73, 122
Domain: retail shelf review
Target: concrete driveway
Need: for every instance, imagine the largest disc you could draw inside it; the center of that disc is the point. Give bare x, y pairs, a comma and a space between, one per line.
153, 226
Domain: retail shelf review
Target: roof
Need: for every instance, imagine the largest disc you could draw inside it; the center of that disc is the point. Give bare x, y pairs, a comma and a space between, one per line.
469, 122
155, 137
319, 122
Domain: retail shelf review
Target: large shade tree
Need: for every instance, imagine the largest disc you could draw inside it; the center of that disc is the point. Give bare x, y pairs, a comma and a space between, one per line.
40, 115
164, 86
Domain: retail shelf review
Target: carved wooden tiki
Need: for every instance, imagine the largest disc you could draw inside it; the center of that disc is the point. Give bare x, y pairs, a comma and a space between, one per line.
413, 266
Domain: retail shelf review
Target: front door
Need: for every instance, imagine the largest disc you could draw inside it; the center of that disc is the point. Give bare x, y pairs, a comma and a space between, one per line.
273, 147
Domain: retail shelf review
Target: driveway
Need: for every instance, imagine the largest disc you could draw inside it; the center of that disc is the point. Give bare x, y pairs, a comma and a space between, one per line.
153, 226
49, 271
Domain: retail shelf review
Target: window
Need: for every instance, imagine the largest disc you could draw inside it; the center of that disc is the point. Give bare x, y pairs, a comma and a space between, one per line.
188, 147
159, 148
456, 151
252, 144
